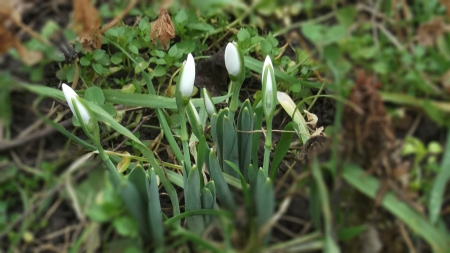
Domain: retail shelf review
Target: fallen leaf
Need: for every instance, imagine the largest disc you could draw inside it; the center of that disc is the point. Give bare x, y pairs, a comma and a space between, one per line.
312, 118
318, 131
162, 28
86, 24
429, 32
8, 16
446, 3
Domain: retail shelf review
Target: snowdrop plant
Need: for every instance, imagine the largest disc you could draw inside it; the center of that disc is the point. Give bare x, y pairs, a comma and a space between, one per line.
89, 124
234, 62
269, 100
191, 174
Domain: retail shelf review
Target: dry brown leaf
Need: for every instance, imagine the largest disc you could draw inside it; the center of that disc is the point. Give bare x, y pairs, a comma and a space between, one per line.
86, 24
8, 16
429, 32
445, 80
312, 118
162, 28
446, 3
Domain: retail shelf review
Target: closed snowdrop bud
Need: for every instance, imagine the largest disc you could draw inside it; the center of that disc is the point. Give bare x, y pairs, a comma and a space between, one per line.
210, 108
232, 59
187, 77
71, 96
269, 88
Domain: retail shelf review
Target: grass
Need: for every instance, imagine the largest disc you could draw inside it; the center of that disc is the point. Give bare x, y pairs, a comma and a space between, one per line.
202, 183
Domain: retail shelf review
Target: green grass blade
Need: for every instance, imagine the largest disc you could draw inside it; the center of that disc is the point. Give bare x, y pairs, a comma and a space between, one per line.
257, 119
330, 244
281, 149
169, 137
368, 185
440, 182
257, 66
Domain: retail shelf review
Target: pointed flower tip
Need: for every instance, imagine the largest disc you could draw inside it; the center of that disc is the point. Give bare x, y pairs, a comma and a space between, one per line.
187, 76
210, 108
232, 59
267, 62
71, 96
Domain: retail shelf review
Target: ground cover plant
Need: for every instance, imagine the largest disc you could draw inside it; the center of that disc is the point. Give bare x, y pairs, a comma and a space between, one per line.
224, 126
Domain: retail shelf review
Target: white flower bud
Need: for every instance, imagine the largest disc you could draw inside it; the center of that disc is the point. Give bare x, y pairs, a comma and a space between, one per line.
232, 59
70, 95
187, 77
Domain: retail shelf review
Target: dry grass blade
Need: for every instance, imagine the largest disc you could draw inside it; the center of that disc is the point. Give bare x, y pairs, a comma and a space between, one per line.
162, 28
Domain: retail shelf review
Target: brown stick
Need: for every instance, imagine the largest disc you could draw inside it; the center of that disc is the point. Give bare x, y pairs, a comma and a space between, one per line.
119, 17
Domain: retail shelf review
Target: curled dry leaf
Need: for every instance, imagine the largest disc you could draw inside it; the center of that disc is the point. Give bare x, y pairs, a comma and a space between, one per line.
162, 28
86, 24
312, 118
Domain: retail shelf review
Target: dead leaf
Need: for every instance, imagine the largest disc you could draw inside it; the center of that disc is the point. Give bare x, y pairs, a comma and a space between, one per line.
446, 3
9, 16
429, 32
318, 132
312, 118
162, 28
86, 24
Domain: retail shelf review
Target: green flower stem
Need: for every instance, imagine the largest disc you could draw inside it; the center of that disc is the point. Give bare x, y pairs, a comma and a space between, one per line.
235, 89
267, 146
185, 138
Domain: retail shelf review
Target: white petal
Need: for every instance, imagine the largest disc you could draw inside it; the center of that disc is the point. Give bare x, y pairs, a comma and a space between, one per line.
269, 82
208, 102
70, 94
232, 61
267, 62
187, 77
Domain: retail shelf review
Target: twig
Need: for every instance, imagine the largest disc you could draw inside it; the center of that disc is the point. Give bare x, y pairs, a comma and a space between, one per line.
32, 137
119, 17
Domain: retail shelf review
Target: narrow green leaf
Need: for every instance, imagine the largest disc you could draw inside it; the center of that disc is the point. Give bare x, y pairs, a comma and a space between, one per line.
265, 201
193, 201
368, 185
168, 134
245, 126
437, 192
257, 66
230, 150
330, 244
282, 148
223, 191
245, 189
208, 201
257, 119
154, 209
135, 206
138, 178
219, 133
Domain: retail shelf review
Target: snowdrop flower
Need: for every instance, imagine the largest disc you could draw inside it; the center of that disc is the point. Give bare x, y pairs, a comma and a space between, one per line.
187, 77
269, 88
71, 96
232, 59
209, 104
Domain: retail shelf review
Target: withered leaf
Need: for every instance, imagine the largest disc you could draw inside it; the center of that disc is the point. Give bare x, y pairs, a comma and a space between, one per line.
86, 24
8, 16
429, 32
162, 28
